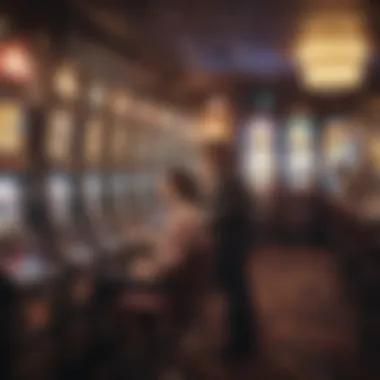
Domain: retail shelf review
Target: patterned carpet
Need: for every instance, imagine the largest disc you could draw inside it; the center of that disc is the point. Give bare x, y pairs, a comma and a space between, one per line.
306, 322
306, 325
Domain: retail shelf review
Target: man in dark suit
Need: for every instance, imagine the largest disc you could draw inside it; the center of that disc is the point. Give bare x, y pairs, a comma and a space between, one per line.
232, 233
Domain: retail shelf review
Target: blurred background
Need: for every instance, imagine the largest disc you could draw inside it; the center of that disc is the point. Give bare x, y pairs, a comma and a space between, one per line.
99, 98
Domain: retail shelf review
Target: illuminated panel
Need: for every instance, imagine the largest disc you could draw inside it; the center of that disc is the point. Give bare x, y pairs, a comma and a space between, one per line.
341, 152
59, 194
334, 144
60, 135
10, 204
300, 153
340, 145
12, 136
93, 142
260, 157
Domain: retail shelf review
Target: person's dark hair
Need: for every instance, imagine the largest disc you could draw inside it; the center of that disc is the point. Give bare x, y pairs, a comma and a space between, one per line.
222, 156
184, 183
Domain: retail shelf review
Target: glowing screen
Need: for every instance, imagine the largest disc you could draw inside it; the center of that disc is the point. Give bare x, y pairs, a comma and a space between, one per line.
300, 152
12, 136
260, 155
10, 204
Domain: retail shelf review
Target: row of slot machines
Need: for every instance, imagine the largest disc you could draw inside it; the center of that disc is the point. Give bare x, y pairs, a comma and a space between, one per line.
339, 156
77, 172
103, 150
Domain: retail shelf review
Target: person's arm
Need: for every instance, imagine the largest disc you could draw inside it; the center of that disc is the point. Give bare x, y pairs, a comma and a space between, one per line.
176, 242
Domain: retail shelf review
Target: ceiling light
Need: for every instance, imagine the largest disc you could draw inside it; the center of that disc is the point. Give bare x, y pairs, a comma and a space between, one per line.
332, 51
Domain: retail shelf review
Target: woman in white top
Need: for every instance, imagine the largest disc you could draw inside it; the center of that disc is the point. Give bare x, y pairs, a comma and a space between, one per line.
182, 228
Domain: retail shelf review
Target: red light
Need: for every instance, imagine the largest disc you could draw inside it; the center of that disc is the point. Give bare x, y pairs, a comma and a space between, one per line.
15, 62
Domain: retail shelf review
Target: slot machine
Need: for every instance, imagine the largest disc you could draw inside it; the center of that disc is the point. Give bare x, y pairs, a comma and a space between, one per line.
258, 147
300, 168
132, 173
341, 155
157, 165
118, 183
148, 153
142, 159
63, 180
300, 153
259, 154
152, 164
28, 266
127, 179
94, 137
59, 144
66, 212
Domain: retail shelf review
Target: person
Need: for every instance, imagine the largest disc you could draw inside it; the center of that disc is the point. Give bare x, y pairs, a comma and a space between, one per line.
232, 234
180, 228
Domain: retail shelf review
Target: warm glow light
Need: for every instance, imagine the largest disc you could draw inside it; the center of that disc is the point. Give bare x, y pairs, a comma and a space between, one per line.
339, 76
15, 62
332, 48
216, 120
332, 51
215, 129
66, 83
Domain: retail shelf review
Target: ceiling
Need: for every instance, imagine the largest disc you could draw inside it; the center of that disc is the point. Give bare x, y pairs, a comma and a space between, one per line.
196, 47
195, 44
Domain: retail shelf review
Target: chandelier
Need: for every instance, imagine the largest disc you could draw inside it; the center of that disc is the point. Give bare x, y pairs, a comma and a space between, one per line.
332, 51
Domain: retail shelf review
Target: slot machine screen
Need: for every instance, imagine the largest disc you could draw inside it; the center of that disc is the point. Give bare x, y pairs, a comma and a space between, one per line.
12, 134
341, 152
300, 153
93, 142
259, 148
10, 204
60, 135
92, 187
60, 193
